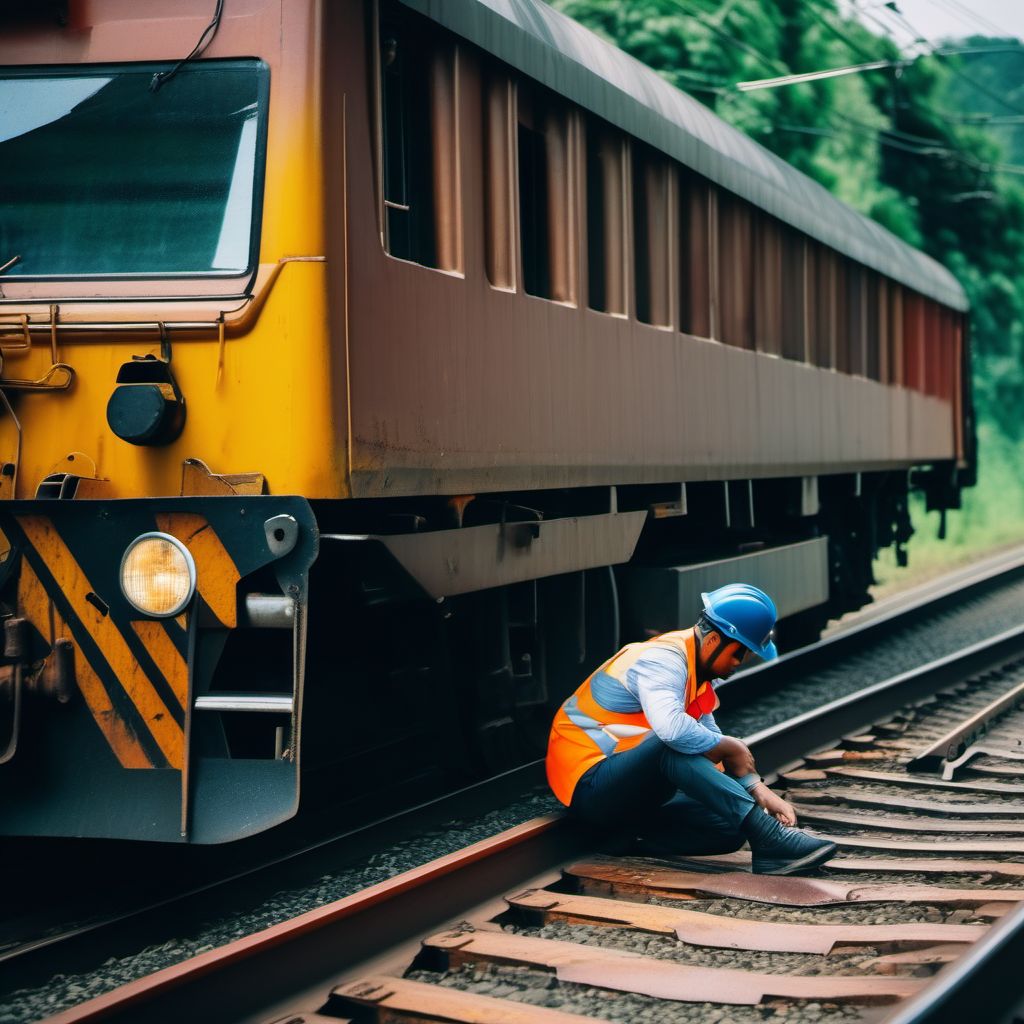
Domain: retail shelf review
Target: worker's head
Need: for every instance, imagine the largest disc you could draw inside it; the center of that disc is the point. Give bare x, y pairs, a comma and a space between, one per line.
737, 621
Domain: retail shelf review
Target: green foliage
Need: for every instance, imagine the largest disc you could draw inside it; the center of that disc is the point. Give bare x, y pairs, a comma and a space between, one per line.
992, 517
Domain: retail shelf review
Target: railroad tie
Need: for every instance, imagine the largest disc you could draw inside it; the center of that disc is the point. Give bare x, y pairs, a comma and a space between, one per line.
996, 869
626, 971
952, 846
642, 879
904, 779
720, 932
858, 798
909, 823
391, 996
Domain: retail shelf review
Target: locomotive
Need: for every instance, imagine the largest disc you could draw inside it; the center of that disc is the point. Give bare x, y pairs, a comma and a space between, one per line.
371, 369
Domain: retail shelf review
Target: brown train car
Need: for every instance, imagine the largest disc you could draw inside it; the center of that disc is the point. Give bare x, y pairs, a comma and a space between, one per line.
491, 350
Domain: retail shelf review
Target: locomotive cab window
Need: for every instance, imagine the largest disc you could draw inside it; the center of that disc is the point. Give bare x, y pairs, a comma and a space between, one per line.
99, 172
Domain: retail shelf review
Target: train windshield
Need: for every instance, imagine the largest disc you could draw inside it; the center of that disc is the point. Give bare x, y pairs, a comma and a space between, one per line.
103, 175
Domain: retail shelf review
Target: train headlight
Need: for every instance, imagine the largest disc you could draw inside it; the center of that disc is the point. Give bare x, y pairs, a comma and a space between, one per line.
158, 575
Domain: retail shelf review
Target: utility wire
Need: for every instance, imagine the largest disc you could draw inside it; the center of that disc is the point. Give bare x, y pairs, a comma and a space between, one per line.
935, 51
161, 78
979, 19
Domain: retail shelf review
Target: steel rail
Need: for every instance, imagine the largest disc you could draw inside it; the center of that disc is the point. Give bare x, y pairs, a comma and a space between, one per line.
771, 676
250, 974
982, 985
246, 978
951, 745
780, 745
83, 947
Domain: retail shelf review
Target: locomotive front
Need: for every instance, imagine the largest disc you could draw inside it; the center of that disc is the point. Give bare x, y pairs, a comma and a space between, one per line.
162, 324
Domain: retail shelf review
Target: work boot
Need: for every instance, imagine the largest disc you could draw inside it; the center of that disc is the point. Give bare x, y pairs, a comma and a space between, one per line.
779, 850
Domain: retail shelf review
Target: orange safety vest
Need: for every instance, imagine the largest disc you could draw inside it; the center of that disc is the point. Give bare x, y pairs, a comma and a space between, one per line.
585, 731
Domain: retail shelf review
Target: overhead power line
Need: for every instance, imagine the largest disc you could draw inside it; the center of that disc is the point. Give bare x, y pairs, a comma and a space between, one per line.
815, 76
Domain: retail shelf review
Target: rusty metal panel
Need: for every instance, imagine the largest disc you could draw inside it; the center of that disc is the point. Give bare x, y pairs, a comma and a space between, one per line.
737, 933
918, 957
399, 996
565, 56
640, 878
631, 972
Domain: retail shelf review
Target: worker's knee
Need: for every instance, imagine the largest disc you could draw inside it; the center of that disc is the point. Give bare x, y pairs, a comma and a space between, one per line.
678, 766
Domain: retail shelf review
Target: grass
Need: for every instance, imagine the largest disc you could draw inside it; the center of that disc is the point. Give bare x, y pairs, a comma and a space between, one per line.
992, 518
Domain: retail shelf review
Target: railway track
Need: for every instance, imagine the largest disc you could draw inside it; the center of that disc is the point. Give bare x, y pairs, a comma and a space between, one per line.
920, 780
168, 900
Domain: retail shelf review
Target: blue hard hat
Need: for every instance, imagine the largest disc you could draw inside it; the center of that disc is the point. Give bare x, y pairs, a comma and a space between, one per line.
746, 614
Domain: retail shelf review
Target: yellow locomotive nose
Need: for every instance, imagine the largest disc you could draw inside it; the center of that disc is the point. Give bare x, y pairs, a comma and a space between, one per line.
158, 575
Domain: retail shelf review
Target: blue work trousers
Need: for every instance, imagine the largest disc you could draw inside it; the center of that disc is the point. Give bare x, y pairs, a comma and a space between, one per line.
673, 802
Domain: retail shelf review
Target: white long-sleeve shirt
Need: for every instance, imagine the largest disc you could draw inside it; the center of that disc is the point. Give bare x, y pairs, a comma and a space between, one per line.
658, 681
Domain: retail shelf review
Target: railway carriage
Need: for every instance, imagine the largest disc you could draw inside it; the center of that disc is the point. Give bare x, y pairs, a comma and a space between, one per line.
373, 372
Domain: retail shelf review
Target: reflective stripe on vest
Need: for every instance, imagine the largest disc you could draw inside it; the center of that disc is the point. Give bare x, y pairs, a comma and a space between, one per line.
603, 718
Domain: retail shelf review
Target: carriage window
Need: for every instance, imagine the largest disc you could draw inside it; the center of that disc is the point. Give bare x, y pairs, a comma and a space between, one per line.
651, 258
498, 192
823, 273
841, 337
933, 354
768, 284
695, 265
794, 295
913, 340
736, 270
545, 214
875, 326
417, 136
894, 374
850, 353
605, 219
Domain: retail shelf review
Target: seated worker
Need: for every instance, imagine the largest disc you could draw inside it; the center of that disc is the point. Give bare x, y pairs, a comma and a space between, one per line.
637, 746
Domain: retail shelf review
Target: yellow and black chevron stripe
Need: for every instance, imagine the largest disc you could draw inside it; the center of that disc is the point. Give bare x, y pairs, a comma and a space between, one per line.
132, 672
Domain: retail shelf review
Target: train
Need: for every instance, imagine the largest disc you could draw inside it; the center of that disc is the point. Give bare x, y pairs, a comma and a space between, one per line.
372, 369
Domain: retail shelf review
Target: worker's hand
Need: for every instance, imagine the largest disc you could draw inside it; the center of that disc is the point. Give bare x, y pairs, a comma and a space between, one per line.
735, 756
778, 808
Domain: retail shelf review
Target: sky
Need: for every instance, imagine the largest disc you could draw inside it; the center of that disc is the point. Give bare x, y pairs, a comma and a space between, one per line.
941, 19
